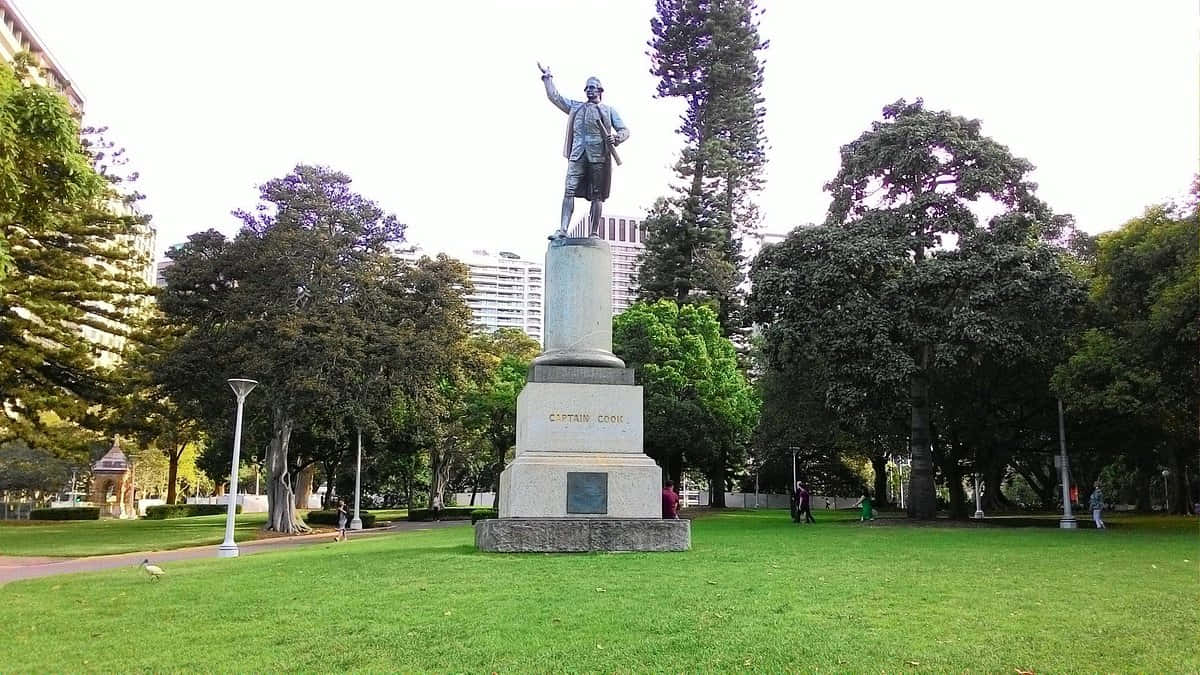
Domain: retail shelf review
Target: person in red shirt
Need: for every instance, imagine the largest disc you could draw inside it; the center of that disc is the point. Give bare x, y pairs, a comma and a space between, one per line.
670, 501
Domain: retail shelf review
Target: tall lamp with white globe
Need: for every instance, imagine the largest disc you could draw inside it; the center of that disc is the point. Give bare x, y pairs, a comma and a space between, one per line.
241, 387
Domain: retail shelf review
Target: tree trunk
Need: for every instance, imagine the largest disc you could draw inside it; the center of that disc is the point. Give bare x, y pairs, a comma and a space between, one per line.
1175, 479
497, 467
716, 482
304, 483
954, 482
993, 476
922, 497
879, 464
281, 501
330, 474
172, 472
439, 472
675, 473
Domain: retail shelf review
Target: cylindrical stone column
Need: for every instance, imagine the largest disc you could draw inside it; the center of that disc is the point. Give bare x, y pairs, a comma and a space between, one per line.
578, 309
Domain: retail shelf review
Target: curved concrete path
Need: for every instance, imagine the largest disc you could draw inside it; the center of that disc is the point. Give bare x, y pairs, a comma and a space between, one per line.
13, 568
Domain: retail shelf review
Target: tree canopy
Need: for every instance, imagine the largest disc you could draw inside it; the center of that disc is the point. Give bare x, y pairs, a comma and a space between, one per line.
699, 409
903, 292
70, 287
308, 301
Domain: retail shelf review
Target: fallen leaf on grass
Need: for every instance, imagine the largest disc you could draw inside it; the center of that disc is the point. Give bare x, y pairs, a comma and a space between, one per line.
715, 583
747, 662
1024, 672
55, 588
914, 663
1154, 566
555, 620
599, 646
601, 590
447, 613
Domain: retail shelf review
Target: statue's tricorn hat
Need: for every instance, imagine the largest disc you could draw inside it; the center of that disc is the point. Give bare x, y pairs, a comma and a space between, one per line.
595, 81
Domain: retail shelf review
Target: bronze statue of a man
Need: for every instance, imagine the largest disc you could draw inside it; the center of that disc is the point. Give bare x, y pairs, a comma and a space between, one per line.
593, 132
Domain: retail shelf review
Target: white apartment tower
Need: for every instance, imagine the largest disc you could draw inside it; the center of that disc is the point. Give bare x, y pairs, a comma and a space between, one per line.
508, 290
624, 236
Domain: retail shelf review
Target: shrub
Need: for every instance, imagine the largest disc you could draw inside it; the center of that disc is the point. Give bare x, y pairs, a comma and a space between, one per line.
67, 513
451, 513
483, 514
164, 511
331, 518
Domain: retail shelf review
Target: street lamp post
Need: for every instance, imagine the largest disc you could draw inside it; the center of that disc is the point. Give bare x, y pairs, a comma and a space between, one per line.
1166, 492
241, 387
978, 506
356, 522
1067, 522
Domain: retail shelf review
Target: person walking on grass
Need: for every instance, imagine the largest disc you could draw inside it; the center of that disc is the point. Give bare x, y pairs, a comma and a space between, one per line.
865, 502
343, 520
435, 505
805, 500
1097, 503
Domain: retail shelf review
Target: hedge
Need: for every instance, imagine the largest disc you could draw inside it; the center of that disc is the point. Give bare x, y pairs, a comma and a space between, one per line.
448, 513
164, 511
483, 514
331, 517
66, 513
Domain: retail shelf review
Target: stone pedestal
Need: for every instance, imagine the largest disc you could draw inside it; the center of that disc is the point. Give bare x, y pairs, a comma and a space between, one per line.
578, 312
580, 480
519, 535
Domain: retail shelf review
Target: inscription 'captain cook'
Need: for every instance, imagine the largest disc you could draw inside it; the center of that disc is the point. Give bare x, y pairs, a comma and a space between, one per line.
585, 418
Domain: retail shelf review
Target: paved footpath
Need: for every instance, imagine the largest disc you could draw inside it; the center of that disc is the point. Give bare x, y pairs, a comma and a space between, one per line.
13, 568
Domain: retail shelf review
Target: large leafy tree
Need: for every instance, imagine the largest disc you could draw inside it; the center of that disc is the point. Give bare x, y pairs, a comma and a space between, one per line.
66, 267
1132, 384
903, 282
308, 301
706, 52
699, 409
492, 406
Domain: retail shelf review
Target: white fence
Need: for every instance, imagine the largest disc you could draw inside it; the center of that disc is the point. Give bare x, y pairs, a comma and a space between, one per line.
250, 503
733, 500
763, 500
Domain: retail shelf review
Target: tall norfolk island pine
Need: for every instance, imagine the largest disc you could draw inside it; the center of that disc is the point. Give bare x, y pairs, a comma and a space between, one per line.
706, 52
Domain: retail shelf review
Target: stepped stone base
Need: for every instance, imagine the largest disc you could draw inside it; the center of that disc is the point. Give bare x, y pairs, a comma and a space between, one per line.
580, 535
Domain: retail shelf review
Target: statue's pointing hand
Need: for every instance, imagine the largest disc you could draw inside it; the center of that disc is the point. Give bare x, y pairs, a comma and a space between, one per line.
545, 71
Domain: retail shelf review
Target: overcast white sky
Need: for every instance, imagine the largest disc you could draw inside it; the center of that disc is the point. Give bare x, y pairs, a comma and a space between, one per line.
436, 110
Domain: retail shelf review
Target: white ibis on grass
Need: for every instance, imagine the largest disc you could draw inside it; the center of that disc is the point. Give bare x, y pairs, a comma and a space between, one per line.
153, 570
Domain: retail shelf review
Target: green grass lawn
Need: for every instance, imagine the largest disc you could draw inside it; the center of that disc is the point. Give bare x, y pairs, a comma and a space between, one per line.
755, 593
72, 538
104, 537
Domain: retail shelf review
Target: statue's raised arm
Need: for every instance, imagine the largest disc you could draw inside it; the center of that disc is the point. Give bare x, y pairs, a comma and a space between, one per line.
552, 91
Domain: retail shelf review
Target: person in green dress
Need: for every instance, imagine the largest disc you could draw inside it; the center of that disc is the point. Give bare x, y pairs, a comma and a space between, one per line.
865, 502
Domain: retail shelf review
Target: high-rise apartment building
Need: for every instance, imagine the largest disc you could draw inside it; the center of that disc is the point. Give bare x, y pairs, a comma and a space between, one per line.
624, 236
508, 290
16, 36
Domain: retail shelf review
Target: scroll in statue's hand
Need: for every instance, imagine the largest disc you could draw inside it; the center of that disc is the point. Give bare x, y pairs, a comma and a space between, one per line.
545, 70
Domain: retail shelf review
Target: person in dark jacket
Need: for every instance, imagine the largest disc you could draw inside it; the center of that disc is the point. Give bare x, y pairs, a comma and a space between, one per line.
804, 499
670, 501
